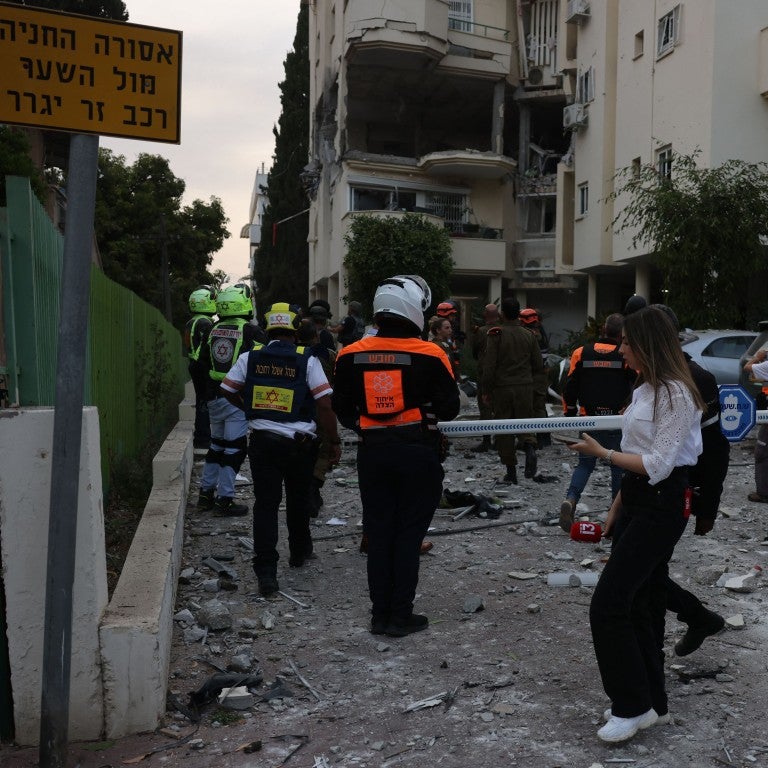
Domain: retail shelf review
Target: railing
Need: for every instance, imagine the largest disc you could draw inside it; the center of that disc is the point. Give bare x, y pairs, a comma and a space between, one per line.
482, 30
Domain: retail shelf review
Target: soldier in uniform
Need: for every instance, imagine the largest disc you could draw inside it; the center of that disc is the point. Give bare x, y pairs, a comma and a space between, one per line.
491, 318
285, 394
202, 305
229, 337
512, 360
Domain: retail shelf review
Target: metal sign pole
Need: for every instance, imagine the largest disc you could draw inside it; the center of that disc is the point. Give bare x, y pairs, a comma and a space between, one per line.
67, 427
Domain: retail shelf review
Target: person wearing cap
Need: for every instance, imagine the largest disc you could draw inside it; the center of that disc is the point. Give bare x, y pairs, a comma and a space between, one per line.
392, 389
491, 318
530, 318
285, 395
599, 383
512, 360
352, 327
320, 316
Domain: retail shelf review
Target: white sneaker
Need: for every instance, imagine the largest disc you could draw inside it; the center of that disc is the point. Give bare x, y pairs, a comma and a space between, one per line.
623, 728
662, 719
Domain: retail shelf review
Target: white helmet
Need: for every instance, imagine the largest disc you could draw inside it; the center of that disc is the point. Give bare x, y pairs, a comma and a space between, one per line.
406, 296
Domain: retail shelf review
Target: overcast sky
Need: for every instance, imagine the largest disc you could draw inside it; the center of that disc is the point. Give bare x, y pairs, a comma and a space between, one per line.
233, 54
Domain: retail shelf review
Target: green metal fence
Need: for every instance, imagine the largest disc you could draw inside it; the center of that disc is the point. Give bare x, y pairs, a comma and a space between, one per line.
135, 369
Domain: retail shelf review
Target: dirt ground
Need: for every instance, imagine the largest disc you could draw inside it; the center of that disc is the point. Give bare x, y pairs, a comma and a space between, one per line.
514, 683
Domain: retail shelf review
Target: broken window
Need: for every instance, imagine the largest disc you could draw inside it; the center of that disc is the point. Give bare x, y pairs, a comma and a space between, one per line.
585, 87
540, 215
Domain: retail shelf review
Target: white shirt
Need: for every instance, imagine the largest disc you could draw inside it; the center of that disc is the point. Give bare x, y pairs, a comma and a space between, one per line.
316, 381
760, 371
671, 439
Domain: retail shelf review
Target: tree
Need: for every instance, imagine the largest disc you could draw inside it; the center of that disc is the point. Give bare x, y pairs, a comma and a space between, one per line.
105, 9
380, 247
282, 267
15, 160
140, 223
704, 228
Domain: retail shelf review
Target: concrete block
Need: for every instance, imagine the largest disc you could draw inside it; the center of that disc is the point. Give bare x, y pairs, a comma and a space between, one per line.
137, 628
26, 438
175, 457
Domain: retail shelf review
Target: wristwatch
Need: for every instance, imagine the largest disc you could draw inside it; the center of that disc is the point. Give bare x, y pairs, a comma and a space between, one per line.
608, 458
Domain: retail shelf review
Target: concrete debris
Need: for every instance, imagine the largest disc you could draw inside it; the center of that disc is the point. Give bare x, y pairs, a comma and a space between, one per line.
210, 585
735, 622
185, 616
430, 701
377, 746
236, 698
560, 555
747, 582
533, 608
194, 635
522, 575
220, 569
267, 619
214, 615
185, 577
241, 662
473, 604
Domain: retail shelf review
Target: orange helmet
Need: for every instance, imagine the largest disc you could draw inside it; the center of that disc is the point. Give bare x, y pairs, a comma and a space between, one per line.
446, 309
529, 316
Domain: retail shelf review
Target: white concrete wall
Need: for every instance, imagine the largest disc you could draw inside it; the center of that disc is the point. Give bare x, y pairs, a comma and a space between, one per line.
137, 628
26, 438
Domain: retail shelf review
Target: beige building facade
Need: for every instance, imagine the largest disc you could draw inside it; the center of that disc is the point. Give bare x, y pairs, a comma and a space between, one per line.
505, 122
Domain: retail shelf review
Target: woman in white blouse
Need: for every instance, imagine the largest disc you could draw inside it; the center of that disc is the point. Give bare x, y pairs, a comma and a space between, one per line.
661, 439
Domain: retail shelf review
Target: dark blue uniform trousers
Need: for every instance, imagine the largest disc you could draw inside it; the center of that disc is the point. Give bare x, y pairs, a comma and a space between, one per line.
276, 460
400, 487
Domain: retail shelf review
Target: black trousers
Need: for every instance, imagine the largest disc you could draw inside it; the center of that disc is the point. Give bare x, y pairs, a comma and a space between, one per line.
276, 460
628, 606
400, 487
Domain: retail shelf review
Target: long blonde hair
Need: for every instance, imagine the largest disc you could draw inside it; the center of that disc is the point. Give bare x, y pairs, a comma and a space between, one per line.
653, 338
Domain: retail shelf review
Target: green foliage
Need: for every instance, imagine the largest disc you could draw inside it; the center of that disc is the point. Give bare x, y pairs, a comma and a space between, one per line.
578, 338
105, 9
282, 268
703, 226
16, 161
379, 247
138, 212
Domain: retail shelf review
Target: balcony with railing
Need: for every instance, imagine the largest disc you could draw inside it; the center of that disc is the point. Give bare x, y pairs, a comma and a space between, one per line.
376, 28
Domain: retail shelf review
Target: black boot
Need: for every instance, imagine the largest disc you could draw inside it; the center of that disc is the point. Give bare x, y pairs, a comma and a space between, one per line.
706, 624
225, 506
267, 582
531, 462
206, 500
511, 476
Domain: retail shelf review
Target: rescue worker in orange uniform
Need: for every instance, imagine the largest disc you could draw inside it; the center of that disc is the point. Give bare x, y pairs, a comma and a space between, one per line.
392, 389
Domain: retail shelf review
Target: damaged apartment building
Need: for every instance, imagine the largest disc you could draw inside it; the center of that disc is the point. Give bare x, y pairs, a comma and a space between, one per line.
505, 121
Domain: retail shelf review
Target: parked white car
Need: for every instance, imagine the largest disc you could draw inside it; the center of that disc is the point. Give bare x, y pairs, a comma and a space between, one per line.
718, 351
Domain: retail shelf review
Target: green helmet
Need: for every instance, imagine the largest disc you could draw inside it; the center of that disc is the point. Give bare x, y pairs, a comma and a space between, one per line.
235, 301
201, 301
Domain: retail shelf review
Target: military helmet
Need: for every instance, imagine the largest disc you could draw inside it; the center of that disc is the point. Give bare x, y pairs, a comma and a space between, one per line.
202, 301
235, 301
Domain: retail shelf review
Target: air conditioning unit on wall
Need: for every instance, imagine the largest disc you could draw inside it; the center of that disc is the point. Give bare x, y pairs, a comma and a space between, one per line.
577, 11
574, 116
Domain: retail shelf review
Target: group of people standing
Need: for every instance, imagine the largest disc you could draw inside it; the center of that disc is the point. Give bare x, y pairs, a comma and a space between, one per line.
392, 388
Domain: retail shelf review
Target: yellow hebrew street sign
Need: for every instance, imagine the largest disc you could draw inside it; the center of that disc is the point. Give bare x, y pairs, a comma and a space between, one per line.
86, 75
